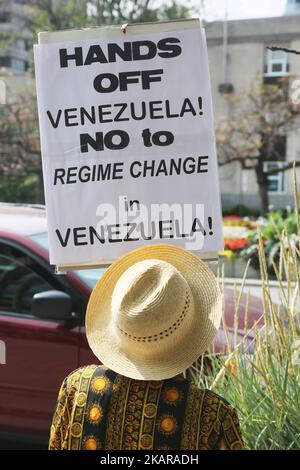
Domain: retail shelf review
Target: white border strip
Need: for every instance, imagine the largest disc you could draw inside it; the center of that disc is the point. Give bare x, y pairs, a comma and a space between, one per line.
46, 37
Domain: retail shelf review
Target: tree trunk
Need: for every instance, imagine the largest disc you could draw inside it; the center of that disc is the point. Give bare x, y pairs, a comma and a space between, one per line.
262, 182
264, 198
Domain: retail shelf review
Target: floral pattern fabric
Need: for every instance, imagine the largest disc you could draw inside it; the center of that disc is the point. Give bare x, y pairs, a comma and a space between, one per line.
99, 409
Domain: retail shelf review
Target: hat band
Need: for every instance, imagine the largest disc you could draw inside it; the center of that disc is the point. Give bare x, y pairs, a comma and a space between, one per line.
165, 333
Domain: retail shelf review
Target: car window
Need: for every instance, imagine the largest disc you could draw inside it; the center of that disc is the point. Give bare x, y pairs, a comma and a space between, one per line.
18, 284
22, 276
88, 276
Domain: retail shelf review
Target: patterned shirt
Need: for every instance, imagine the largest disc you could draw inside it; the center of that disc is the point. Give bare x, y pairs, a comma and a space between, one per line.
100, 409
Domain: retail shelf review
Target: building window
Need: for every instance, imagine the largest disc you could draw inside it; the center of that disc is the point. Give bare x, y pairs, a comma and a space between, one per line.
279, 148
5, 17
275, 149
18, 65
20, 45
276, 64
5, 62
293, 6
276, 181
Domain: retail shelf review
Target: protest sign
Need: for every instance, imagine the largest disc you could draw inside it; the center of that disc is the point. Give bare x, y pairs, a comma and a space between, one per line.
127, 140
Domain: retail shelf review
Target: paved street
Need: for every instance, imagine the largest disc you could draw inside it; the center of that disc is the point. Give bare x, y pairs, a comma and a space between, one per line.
12, 445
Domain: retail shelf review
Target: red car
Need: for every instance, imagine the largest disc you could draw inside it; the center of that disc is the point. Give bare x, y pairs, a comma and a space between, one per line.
42, 334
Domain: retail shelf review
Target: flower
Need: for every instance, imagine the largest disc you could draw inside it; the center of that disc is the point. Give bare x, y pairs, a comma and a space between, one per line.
227, 254
236, 244
231, 366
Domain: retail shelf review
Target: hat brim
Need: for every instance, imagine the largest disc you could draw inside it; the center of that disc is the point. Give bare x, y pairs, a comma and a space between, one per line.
206, 321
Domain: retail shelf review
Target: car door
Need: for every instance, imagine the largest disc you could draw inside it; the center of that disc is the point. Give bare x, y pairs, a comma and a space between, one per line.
38, 353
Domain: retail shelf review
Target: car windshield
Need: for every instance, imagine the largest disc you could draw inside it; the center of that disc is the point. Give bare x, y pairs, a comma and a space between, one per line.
89, 276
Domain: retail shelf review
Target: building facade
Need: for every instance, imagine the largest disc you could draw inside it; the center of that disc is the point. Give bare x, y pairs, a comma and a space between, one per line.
246, 61
14, 35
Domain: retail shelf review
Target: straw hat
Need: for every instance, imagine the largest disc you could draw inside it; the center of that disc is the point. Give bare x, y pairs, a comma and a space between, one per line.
153, 312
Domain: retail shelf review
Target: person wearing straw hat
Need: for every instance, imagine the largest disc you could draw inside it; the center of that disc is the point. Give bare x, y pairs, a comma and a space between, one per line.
152, 314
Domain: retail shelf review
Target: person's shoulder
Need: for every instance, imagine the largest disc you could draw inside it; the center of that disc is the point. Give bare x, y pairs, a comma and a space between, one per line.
214, 401
73, 379
215, 398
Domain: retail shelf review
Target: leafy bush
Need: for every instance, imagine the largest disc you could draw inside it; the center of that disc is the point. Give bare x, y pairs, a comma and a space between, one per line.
241, 211
19, 189
278, 230
263, 382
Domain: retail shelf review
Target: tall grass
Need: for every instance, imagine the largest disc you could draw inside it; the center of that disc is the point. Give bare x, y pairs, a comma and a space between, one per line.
262, 382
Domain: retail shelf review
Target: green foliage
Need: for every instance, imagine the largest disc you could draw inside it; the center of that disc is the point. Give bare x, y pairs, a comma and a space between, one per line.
174, 11
49, 15
261, 378
241, 211
21, 189
277, 230
267, 402
19, 137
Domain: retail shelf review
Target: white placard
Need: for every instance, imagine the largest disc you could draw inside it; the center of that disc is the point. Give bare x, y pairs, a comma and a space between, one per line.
127, 139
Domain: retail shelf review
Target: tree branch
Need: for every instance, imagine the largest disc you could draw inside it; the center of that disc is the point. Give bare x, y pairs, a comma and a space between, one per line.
286, 167
283, 49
